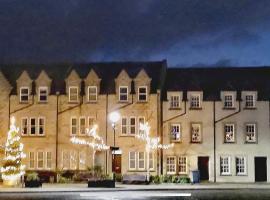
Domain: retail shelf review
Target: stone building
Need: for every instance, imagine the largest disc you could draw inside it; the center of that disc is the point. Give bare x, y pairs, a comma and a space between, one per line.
218, 118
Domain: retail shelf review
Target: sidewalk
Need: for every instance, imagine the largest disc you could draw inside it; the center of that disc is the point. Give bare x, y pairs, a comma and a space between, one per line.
121, 187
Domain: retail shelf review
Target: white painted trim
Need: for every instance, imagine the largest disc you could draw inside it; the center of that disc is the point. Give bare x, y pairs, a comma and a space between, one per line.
88, 92
73, 87
28, 94
146, 94
47, 93
119, 94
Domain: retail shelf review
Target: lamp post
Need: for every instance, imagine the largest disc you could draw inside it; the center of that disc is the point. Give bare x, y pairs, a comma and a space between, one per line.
114, 117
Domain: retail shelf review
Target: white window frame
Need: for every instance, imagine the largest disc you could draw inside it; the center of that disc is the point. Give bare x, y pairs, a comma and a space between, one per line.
80, 125
77, 94
139, 93
92, 94
42, 160
132, 126
33, 160
138, 126
39, 93
68, 160
247, 132
225, 133
174, 101
72, 126
168, 165
22, 126
82, 160
129, 160
88, 122
153, 160
119, 96
253, 100
21, 95
180, 134
227, 101
192, 99
124, 126
73, 156
244, 165
223, 165
35, 126
181, 164
141, 159
200, 132
44, 125
49, 160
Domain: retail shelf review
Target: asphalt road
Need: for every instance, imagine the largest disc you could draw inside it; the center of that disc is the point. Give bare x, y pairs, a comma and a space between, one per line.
249, 194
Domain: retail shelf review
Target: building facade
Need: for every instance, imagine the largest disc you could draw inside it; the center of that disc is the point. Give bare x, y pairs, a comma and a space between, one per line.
217, 118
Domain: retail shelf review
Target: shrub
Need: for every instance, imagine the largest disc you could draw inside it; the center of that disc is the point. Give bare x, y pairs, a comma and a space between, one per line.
184, 180
67, 174
33, 176
175, 179
118, 177
155, 179
167, 179
64, 180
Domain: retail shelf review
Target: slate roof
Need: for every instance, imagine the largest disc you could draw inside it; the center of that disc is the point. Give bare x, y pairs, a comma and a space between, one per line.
213, 80
107, 71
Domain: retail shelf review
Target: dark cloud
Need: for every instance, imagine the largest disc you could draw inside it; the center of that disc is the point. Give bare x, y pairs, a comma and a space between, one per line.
89, 30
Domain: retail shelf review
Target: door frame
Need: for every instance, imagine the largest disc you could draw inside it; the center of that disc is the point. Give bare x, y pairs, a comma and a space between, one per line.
204, 157
262, 157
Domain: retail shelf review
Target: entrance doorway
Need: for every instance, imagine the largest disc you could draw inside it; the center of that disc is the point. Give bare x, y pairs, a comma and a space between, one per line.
117, 167
260, 169
203, 167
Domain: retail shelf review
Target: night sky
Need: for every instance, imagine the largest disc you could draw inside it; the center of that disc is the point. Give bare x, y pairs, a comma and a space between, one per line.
185, 32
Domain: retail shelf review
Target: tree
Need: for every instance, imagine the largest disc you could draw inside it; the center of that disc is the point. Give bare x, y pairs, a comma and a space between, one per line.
12, 168
151, 143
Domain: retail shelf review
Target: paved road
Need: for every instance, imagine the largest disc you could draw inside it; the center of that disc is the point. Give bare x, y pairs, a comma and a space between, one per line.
249, 194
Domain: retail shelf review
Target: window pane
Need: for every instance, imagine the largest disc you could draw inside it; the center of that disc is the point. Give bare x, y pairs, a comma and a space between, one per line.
49, 160
195, 132
41, 126
73, 126
142, 94
43, 93
132, 160
24, 126
92, 92
229, 133
82, 125
40, 159
141, 160
123, 94
31, 160
124, 125
182, 165
73, 94
132, 125
175, 132
33, 126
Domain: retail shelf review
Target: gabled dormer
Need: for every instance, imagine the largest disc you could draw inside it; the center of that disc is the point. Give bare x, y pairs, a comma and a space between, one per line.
123, 86
142, 84
92, 86
5, 86
73, 87
43, 86
24, 87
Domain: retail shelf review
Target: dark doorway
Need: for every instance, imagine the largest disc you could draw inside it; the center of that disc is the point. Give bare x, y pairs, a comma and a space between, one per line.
117, 167
203, 167
260, 169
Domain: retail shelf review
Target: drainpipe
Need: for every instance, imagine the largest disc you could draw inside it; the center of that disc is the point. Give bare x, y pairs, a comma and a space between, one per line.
106, 152
56, 140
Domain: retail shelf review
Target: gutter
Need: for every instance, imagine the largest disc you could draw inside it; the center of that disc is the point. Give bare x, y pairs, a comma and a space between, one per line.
56, 142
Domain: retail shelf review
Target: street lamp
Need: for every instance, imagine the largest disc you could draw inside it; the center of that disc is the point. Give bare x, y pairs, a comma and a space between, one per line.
114, 117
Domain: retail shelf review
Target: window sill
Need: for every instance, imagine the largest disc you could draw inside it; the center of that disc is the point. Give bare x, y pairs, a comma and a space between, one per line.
175, 109
251, 142
142, 101
127, 135
225, 108
199, 142
195, 108
33, 135
241, 175
225, 174
229, 142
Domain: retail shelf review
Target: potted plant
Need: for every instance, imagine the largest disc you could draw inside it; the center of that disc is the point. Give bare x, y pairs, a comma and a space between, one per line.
32, 180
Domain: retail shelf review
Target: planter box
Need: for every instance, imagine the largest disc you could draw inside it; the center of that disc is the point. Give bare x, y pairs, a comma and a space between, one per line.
102, 183
32, 184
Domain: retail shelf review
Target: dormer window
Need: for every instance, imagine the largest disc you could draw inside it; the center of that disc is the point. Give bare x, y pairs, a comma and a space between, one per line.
123, 93
228, 101
73, 94
175, 101
195, 101
24, 94
43, 94
250, 101
92, 93
142, 93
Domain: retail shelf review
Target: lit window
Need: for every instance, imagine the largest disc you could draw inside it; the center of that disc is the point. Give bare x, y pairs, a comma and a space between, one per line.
92, 93
175, 132
241, 168
124, 125
196, 133
151, 160
228, 101
48, 160
195, 101
132, 160
182, 165
73, 94
175, 102
142, 93
82, 125
66, 160
41, 126
91, 121
171, 165
141, 161
141, 121
123, 93
82, 160
24, 94
43, 94
250, 101
229, 133
40, 160
132, 128
225, 165
31, 160
32, 126
250, 133
73, 126
24, 126
73, 160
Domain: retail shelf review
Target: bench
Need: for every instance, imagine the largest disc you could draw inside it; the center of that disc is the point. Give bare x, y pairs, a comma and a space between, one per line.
134, 179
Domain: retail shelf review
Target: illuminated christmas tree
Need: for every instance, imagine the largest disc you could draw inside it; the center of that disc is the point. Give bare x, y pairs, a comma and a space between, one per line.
13, 169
